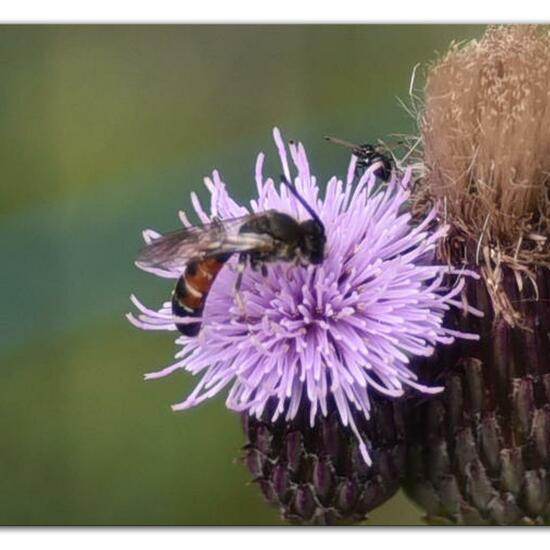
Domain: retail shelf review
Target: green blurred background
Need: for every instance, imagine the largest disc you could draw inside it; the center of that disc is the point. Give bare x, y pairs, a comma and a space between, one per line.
105, 130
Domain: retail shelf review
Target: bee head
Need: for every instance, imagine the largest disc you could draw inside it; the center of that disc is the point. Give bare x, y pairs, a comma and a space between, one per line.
364, 150
312, 242
312, 237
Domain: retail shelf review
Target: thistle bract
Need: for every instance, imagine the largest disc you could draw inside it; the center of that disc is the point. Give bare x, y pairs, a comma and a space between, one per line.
341, 330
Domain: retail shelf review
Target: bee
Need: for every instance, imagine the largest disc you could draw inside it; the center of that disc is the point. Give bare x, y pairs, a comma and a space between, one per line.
200, 252
369, 155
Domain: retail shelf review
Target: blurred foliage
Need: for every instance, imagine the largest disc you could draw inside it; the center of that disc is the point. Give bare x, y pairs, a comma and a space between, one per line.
104, 131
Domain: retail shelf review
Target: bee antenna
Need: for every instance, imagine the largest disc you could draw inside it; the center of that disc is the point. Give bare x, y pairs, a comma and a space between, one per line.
301, 199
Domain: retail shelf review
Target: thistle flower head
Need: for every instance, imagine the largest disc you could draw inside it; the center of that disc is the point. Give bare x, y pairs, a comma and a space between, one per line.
480, 452
486, 137
319, 336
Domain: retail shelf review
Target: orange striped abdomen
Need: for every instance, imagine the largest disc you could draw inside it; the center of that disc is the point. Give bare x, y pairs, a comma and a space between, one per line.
192, 289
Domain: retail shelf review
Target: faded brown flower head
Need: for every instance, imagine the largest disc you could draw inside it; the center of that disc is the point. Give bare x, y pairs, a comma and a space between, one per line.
486, 132
479, 453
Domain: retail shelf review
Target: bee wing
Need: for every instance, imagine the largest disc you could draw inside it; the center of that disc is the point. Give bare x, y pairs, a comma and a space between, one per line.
343, 142
171, 252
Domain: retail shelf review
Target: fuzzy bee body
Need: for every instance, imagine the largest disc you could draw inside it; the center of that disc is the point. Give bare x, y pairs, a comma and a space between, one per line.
368, 156
371, 155
200, 252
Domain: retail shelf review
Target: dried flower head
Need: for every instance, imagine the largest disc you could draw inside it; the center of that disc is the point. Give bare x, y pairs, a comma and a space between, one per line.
486, 133
332, 333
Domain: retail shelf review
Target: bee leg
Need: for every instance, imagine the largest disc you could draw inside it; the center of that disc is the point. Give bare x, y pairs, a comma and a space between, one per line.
360, 168
264, 270
241, 266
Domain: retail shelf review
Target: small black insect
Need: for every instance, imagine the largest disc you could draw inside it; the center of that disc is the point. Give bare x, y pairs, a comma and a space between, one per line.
199, 252
367, 156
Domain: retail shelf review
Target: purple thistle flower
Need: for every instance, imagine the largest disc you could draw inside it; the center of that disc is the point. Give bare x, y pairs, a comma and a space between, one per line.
310, 335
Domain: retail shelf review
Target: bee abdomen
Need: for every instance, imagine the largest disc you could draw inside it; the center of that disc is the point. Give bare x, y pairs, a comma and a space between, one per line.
192, 289
180, 309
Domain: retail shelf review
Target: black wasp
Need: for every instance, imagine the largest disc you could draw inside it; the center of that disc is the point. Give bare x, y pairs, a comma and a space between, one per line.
367, 156
199, 252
